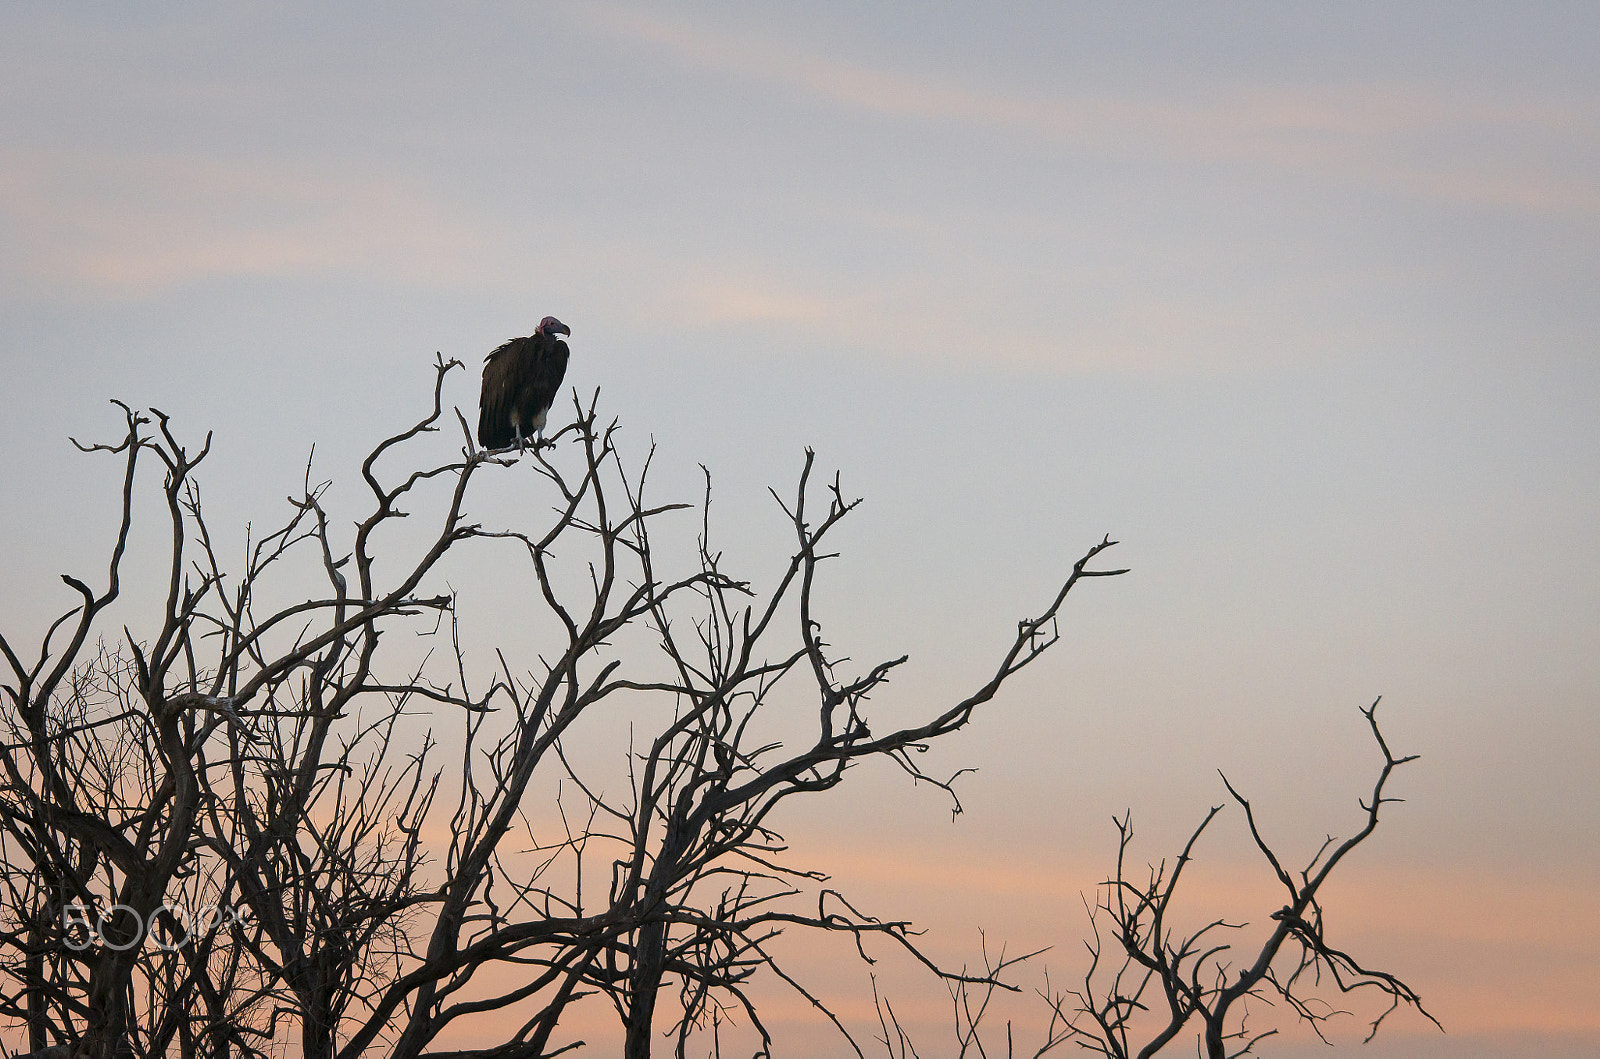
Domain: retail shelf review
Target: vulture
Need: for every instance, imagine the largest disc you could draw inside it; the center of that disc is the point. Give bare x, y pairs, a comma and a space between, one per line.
520, 380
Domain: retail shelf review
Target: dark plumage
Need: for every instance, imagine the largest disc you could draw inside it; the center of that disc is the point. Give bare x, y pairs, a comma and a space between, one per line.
520, 380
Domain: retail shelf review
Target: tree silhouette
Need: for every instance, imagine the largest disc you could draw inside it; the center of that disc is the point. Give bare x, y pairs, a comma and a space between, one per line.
225, 829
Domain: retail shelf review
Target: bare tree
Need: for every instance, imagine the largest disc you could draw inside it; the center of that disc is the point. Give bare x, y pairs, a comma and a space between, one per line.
216, 821
184, 764
1193, 977
223, 828
1149, 981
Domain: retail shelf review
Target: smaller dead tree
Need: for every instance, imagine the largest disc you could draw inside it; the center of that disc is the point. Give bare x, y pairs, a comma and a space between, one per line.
1148, 982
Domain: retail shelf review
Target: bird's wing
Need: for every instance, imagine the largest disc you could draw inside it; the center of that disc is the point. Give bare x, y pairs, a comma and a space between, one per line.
497, 398
549, 368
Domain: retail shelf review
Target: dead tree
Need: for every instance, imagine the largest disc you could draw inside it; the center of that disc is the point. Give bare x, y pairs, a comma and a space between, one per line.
184, 763
692, 891
1196, 979
1149, 982
238, 751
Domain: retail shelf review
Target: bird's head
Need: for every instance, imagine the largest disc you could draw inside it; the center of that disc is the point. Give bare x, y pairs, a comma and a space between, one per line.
551, 326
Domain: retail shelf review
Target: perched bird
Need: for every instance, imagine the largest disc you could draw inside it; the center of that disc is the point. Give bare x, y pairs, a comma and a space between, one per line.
520, 380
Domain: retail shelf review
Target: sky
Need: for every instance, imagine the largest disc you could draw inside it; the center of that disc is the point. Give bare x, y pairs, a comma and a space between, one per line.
1297, 302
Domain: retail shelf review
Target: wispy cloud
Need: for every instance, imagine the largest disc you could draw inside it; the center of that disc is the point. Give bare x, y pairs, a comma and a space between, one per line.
912, 320
133, 225
1407, 139
712, 301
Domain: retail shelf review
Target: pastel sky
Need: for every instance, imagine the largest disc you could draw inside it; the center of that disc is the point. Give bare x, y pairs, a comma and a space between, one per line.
1298, 302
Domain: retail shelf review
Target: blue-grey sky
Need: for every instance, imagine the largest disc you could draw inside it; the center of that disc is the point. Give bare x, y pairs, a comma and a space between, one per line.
1297, 301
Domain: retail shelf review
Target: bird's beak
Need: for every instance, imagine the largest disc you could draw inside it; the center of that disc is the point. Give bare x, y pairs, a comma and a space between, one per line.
561, 329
